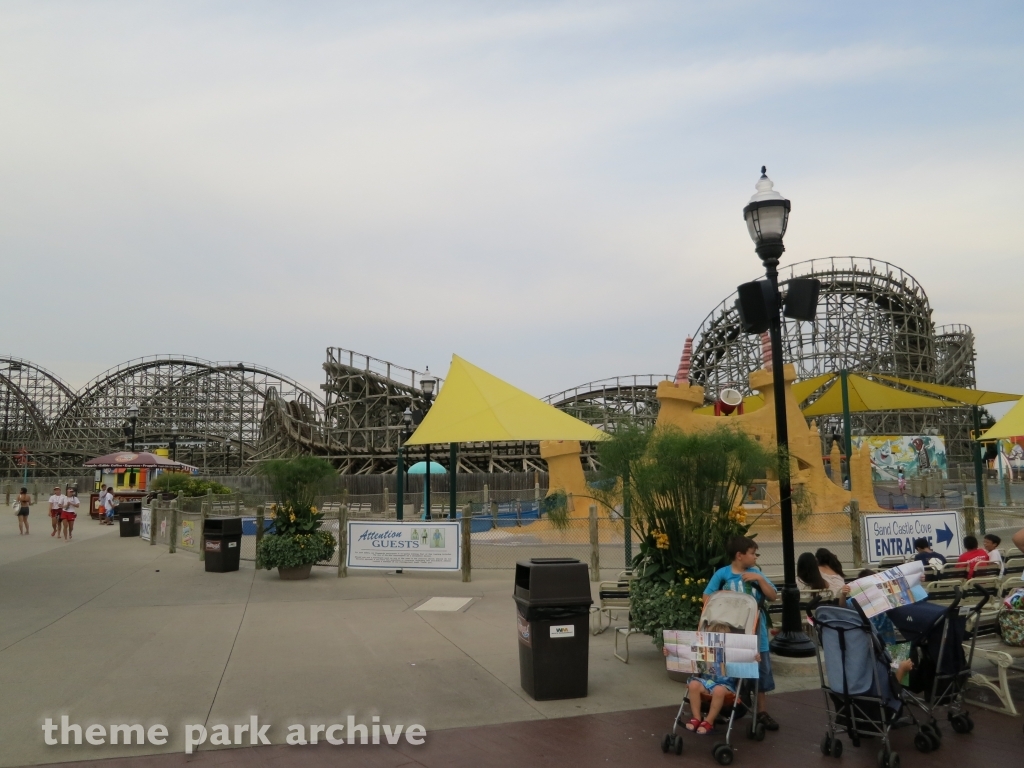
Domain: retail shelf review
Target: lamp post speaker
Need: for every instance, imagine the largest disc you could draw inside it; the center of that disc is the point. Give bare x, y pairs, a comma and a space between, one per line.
753, 304
802, 298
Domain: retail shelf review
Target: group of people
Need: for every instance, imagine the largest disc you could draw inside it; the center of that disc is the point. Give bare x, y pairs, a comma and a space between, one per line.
63, 511
741, 575
820, 570
973, 554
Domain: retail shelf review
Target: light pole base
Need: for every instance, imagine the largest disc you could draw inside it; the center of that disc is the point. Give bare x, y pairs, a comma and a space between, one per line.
792, 644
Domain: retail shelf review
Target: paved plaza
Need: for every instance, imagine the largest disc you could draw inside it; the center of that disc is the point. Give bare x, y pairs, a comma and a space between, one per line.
110, 630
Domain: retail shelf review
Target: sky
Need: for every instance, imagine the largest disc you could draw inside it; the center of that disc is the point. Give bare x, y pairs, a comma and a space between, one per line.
553, 191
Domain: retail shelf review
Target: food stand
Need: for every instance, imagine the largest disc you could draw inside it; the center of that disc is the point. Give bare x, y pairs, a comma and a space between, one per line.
129, 474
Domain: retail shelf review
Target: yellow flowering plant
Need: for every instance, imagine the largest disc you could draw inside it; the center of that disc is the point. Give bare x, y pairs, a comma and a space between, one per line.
295, 537
683, 492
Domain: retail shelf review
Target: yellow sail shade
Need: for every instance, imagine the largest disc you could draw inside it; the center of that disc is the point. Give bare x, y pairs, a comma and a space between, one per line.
1011, 425
866, 395
965, 396
474, 406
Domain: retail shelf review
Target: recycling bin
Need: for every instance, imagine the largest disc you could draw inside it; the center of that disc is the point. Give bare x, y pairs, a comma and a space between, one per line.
552, 616
130, 520
222, 543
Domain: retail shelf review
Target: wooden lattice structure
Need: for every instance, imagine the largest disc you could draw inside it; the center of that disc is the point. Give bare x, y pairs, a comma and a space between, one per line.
872, 317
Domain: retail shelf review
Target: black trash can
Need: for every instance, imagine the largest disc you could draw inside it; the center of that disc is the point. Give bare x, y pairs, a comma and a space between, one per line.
553, 606
222, 543
130, 517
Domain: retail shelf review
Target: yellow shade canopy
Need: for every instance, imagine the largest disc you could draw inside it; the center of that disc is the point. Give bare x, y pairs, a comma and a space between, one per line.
475, 407
1011, 425
960, 394
803, 389
866, 395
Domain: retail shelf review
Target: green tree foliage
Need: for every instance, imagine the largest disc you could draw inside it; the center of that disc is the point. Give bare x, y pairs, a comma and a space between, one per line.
682, 490
298, 482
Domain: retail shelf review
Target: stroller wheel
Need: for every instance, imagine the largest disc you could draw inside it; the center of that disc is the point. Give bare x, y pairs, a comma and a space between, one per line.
756, 732
826, 745
666, 742
837, 748
723, 754
970, 723
932, 729
923, 742
960, 723
894, 760
678, 746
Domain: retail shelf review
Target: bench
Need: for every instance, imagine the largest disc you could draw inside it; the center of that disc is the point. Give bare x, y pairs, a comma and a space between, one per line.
612, 598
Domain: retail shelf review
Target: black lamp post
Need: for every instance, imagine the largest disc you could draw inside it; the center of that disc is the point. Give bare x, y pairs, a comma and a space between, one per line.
174, 442
400, 466
427, 384
133, 418
767, 215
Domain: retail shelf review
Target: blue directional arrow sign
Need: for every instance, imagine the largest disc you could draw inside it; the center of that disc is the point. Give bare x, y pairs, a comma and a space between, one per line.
944, 536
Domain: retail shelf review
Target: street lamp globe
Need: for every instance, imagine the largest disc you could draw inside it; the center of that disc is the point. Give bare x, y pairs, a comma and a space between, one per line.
767, 215
427, 383
407, 419
133, 411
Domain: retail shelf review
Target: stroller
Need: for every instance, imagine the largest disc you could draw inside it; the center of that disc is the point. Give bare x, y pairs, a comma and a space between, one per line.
862, 696
941, 668
739, 611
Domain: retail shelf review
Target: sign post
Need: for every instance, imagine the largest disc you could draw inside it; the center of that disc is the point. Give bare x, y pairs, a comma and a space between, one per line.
414, 545
893, 534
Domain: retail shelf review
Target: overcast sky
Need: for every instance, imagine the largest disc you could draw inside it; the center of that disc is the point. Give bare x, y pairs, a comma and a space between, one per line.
550, 190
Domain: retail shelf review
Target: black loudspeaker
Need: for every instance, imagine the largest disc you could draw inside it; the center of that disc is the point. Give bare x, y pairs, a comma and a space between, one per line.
802, 298
754, 306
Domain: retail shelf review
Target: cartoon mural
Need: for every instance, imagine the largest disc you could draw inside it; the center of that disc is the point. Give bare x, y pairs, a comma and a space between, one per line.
913, 453
1012, 456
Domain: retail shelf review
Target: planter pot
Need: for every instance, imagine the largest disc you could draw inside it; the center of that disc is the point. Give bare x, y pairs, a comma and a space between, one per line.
296, 573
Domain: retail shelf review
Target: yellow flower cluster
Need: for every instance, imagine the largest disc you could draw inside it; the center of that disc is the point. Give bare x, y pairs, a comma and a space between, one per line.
738, 516
660, 539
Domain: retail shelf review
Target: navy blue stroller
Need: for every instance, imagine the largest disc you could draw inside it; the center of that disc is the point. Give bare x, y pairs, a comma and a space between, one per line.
862, 696
941, 667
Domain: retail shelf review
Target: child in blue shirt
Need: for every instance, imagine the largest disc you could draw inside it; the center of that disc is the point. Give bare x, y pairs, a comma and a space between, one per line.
743, 575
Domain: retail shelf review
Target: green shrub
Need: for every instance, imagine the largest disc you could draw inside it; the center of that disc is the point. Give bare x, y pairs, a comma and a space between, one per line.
656, 606
186, 485
291, 551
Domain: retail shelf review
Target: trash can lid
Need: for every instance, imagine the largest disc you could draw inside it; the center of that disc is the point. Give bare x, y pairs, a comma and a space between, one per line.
551, 581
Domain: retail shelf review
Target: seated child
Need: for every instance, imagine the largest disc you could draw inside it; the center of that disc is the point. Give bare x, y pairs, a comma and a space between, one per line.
898, 652
707, 686
972, 554
991, 544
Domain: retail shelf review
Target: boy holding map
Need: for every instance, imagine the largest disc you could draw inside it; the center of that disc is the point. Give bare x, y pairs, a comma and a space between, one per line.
743, 575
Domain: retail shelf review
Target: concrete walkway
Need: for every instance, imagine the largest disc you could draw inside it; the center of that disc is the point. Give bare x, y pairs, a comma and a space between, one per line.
109, 630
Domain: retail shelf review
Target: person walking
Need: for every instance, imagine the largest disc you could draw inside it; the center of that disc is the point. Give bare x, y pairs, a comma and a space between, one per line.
71, 504
24, 500
107, 500
56, 507
902, 480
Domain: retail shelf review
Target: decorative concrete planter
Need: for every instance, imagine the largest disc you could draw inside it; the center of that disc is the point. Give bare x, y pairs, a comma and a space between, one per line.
296, 573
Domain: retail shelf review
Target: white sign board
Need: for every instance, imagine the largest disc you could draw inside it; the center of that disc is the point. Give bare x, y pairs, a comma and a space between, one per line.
423, 546
147, 524
893, 533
